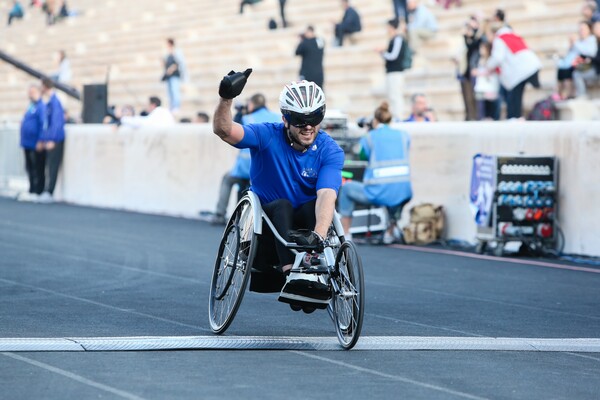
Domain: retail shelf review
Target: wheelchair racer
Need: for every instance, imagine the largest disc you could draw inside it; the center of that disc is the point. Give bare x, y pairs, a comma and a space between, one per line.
295, 171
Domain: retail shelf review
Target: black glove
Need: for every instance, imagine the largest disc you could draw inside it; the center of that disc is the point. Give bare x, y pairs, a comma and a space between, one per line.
233, 83
306, 237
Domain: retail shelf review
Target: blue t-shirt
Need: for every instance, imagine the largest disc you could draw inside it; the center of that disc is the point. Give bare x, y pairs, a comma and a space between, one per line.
241, 169
280, 172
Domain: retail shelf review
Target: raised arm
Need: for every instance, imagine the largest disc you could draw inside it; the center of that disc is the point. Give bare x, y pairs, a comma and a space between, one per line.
231, 86
223, 125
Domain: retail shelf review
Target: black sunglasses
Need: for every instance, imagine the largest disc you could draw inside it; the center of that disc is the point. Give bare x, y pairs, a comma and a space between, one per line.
302, 120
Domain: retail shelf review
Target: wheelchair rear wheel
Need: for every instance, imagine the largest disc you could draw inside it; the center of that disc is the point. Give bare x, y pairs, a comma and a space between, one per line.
232, 267
348, 304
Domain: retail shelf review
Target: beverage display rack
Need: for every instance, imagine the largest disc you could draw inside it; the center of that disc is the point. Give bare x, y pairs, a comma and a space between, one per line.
525, 204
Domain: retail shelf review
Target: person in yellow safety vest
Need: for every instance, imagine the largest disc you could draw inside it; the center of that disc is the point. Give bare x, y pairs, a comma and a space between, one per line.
386, 181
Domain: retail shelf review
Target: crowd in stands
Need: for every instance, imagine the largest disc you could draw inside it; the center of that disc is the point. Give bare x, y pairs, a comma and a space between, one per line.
494, 69
54, 10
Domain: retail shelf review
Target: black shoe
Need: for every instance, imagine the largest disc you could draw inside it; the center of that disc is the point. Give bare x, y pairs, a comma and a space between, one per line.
305, 288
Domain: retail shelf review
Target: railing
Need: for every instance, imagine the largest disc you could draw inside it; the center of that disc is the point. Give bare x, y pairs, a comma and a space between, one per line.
69, 90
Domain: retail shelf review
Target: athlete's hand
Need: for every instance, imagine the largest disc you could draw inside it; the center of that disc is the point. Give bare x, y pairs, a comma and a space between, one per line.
306, 237
233, 83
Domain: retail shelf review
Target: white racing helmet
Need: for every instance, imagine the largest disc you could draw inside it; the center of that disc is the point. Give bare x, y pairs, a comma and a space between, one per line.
302, 103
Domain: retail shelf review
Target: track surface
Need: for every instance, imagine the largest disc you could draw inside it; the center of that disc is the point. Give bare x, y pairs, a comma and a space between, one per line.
75, 272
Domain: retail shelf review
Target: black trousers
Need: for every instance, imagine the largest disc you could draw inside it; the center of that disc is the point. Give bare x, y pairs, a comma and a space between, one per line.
400, 11
53, 161
514, 97
35, 163
282, 11
340, 32
285, 218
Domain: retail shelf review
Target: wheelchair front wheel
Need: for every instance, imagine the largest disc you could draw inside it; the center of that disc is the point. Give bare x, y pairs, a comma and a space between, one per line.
232, 267
348, 304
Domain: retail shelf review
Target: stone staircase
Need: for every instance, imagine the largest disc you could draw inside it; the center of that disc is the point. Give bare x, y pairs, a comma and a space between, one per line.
128, 36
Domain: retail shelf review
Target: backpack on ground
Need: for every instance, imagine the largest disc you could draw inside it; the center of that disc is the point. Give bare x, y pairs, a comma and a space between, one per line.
544, 110
426, 224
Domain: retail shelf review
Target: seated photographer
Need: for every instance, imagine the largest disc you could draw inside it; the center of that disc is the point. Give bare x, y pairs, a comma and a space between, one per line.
387, 178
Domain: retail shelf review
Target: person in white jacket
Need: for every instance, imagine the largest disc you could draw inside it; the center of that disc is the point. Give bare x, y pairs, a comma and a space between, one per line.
518, 66
583, 45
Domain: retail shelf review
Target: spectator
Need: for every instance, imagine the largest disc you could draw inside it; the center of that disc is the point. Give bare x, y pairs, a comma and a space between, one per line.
156, 116
472, 37
201, 118
67, 117
32, 128
311, 49
63, 11
63, 74
499, 16
185, 120
282, 13
421, 112
350, 23
583, 45
114, 115
422, 24
487, 85
518, 66
52, 138
447, 3
386, 180
587, 69
589, 12
257, 113
51, 8
394, 65
15, 12
175, 72
246, 2
400, 12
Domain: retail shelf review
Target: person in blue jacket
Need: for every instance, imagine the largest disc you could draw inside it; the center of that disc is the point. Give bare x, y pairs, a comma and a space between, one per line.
386, 181
257, 112
32, 127
52, 138
350, 23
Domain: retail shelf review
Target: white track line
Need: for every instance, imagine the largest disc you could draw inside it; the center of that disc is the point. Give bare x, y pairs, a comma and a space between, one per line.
392, 377
75, 377
369, 343
494, 258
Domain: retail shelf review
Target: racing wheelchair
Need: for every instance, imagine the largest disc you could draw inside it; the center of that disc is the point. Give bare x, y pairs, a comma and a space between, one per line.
241, 258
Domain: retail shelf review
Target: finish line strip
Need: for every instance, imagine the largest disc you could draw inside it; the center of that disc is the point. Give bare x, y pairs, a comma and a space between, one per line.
382, 343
